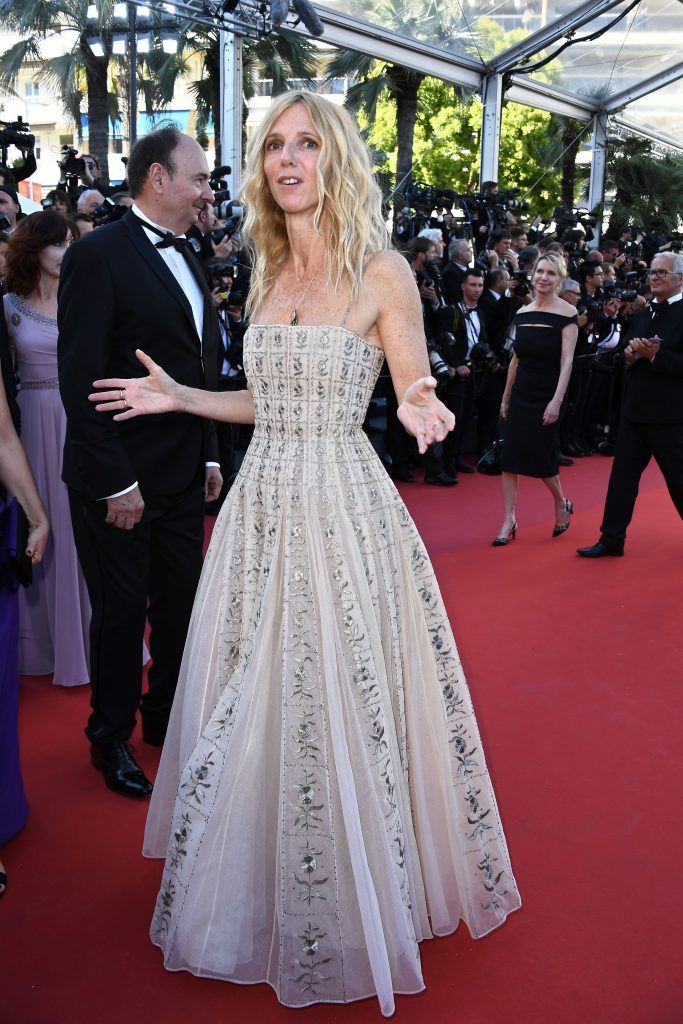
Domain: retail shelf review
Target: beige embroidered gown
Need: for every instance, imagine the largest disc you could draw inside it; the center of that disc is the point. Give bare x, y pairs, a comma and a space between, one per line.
323, 777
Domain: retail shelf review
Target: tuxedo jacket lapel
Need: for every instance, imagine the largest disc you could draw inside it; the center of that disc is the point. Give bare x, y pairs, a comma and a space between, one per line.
157, 264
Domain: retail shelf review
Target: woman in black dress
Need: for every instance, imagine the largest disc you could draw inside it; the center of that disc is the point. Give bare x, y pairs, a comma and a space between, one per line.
538, 375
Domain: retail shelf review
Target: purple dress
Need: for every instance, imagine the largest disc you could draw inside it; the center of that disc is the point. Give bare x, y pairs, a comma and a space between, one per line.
54, 613
13, 806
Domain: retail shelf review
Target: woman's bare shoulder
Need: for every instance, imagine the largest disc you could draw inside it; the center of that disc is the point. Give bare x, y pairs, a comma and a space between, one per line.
386, 264
565, 308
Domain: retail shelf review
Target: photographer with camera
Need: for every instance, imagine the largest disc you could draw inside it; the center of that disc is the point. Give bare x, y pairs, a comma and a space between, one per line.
10, 209
592, 305
470, 364
58, 201
460, 256
437, 317
89, 200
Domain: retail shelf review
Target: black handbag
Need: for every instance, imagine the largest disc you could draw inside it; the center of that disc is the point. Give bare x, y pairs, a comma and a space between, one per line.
491, 462
16, 568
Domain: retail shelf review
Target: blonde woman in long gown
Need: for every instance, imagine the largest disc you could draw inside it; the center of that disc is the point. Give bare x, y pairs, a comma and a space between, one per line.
322, 802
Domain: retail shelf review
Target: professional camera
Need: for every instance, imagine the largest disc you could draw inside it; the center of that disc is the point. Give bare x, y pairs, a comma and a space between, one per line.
70, 164
224, 207
15, 133
633, 251
613, 291
571, 216
523, 282
439, 367
424, 198
227, 231
217, 270
429, 278
108, 212
592, 307
492, 206
482, 356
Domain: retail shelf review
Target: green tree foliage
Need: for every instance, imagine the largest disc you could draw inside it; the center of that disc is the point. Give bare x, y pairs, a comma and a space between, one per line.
648, 189
446, 149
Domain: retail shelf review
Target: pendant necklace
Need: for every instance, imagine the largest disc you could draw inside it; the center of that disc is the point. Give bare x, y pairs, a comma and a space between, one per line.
293, 321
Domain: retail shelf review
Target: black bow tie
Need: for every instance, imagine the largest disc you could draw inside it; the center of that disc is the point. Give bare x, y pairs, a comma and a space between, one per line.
179, 242
168, 239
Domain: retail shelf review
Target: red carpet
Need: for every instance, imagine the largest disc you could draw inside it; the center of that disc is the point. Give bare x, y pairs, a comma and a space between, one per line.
576, 673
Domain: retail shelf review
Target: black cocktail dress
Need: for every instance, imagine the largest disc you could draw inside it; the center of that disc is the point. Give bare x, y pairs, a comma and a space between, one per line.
529, 447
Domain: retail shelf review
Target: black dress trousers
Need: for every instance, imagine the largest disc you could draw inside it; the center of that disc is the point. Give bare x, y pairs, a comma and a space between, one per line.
637, 443
151, 571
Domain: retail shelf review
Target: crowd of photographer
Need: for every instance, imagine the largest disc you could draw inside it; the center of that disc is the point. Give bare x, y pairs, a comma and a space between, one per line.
473, 271
55, 611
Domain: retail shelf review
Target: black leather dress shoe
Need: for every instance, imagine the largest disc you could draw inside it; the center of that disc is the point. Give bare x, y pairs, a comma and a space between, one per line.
154, 733
441, 479
601, 549
401, 475
564, 460
464, 467
119, 768
573, 450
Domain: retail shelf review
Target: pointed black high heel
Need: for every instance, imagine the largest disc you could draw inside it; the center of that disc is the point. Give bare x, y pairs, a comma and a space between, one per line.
500, 542
562, 528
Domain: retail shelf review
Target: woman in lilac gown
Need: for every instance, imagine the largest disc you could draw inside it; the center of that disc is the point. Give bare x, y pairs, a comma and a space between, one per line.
16, 476
54, 613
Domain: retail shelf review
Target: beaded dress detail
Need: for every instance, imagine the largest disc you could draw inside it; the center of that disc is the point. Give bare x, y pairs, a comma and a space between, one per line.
323, 773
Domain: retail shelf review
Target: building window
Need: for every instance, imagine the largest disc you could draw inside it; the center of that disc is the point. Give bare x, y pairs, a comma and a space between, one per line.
38, 147
32, 89
117, 145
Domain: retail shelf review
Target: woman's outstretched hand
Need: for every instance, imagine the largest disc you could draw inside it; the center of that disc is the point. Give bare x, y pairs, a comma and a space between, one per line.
423, 415
128, 397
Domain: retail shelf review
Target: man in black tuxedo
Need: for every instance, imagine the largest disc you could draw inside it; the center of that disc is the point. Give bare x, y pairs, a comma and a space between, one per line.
137, 488
652, 410
460, 256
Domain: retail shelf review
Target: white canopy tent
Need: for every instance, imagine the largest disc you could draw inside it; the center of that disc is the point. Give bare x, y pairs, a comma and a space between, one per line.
615, 63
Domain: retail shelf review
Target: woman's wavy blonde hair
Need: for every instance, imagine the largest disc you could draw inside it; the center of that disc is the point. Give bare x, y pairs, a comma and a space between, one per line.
349, 210
557, 262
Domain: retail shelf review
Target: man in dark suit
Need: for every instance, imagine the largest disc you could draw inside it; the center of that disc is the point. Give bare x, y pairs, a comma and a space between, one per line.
137, 488
459, 258
652, 411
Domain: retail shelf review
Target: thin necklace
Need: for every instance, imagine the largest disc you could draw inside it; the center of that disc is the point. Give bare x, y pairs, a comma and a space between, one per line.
293, 321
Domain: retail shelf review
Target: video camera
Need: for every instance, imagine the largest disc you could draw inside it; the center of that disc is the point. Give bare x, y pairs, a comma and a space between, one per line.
224, 208
568, 218
15, 133
493, 206
424, 198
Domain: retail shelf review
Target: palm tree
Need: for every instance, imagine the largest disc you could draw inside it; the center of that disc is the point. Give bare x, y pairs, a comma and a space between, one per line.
432, 20
74, 74
372, 79
648, 190
280, 58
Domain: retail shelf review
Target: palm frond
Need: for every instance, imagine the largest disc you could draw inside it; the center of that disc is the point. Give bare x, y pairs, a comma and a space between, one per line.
31, 16
13, 59
349, 64
365, 95
201, 91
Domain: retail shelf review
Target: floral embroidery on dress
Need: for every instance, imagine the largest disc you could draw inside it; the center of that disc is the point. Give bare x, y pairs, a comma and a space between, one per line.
314, 547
